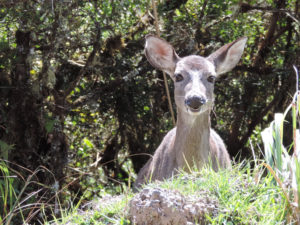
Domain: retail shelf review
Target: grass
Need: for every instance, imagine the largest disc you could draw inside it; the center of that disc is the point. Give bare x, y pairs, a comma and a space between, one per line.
9, 198
244, 197
108, 210
282, 163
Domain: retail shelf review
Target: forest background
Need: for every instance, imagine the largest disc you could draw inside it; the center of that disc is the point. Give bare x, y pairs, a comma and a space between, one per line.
81, 109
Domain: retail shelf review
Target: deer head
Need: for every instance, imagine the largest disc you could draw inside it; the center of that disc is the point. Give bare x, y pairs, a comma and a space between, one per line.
193, 75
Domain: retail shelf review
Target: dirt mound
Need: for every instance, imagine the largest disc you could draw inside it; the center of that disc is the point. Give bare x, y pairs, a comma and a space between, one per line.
156, 206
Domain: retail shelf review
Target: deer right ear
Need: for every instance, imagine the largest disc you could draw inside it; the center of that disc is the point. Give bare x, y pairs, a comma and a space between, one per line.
161, 54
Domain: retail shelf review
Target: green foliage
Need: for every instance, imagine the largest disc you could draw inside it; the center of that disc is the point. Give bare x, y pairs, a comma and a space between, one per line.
285, 168
9, 196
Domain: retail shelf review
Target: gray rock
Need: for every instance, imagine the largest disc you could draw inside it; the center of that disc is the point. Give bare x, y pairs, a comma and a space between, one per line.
159, 206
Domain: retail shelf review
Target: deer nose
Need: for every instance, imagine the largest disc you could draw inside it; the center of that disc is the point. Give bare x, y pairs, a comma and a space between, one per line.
195, 102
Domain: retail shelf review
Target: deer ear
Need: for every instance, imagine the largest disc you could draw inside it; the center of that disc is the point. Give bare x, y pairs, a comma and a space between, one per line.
226, 57
161, 54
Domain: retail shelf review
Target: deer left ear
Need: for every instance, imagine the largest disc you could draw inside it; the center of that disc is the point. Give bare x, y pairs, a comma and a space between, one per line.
226, 57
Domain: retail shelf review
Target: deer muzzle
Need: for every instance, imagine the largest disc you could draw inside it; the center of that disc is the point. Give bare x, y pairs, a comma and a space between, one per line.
194, 103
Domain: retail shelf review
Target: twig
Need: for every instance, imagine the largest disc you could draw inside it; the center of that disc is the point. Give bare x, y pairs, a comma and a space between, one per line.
164, 74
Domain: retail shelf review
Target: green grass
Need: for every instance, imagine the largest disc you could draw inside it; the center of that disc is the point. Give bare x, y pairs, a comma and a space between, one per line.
108, 210
282, 163
244, 197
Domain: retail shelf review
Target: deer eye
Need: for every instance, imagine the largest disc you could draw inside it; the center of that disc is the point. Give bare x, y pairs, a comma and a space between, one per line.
211, 79
178, 77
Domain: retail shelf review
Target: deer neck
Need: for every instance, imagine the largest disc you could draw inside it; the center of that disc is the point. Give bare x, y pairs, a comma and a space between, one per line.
192, 139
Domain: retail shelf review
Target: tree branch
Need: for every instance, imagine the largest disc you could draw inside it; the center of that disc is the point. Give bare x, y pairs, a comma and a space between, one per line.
89, 62
268, 40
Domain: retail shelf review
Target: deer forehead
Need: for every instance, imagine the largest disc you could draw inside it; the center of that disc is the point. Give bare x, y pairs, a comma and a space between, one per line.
195, 64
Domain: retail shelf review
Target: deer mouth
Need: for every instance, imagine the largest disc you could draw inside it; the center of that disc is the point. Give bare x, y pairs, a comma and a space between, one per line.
194, 110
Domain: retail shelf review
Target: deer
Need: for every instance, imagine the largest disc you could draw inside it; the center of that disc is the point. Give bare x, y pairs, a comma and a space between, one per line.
192, 143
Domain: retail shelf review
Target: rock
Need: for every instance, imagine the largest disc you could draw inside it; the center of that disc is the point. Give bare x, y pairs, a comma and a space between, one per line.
159, 206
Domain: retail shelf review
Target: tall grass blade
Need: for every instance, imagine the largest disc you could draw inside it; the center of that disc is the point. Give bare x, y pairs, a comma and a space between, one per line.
267, 137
